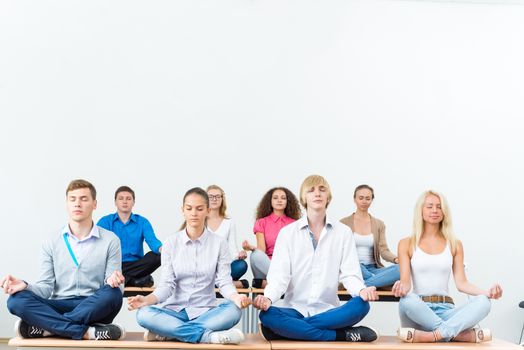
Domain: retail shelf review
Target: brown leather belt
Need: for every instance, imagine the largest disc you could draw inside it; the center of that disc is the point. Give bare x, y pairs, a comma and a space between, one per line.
437, 299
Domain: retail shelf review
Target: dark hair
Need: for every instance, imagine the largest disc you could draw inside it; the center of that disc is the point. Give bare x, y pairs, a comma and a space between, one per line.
198, 191
79, 183
364, 187
292, 207
124, 189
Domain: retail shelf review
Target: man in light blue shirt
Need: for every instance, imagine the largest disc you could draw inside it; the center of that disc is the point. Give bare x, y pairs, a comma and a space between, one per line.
78, 294
133, 230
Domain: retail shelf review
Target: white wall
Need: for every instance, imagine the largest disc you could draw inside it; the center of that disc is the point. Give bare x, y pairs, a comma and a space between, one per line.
164, 96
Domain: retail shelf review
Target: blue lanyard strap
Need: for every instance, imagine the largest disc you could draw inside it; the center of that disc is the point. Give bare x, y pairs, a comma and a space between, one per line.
70, 249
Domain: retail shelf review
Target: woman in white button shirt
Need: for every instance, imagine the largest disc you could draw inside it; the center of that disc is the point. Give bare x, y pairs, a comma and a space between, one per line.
193, 262
219, 223
427, 258
370, 238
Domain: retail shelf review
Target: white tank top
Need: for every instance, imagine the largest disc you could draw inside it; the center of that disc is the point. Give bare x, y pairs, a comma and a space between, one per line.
364, 245
431, 272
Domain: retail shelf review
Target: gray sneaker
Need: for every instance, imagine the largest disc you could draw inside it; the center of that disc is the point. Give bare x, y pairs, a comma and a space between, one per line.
112, 331
24, 330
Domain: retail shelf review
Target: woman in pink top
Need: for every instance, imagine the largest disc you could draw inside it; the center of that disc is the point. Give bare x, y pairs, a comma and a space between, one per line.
278, 208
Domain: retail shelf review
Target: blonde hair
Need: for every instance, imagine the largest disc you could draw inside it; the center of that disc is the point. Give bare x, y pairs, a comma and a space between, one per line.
223, 206
446, 225
312, 181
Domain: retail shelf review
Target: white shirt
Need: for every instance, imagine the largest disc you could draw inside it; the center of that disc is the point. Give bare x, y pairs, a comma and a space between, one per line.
227, 230
190, 270
309, 277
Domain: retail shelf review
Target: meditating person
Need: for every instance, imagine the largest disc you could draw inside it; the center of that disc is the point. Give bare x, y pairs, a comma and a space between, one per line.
278, 208
427, 259
219, 223
184, 307
311, 257
133, 230
79, 291
370, 239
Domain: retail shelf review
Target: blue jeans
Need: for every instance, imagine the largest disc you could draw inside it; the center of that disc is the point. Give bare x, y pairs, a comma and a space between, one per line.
292, 324
446, 318
177, 325
68, 318
380, 277
238, 269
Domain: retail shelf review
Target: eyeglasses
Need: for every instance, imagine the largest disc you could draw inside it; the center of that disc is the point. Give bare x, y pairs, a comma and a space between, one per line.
213, 197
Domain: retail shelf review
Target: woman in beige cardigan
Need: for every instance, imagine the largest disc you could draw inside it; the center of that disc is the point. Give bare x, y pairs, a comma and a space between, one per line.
370, 238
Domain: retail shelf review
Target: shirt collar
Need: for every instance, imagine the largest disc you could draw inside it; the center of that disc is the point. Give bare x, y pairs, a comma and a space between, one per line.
302, 222
202, 239
275, 217
131, 218
95, 232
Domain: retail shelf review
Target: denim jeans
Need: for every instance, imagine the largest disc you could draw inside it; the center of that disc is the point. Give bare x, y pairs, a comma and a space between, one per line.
446, 318
292, 324
380, 277
238, 269
177, 325
68, 318
259, 264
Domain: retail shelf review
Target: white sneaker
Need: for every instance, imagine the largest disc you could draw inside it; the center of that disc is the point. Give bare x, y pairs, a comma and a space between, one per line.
231, 336
150, 336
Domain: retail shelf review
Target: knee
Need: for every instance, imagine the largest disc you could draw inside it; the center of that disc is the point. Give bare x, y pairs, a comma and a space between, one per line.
157, 259
359, 305
233, 312
483, 303
16, 303
143, 316
113, 296
242, 265
267, 317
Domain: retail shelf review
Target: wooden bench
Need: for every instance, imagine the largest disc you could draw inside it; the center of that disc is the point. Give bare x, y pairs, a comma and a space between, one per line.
391, 343
133, 340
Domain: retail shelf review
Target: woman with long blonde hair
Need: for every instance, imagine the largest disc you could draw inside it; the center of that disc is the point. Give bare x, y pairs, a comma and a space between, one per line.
427, 259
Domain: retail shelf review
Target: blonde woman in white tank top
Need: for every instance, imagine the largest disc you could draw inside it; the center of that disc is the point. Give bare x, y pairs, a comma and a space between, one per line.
427, 259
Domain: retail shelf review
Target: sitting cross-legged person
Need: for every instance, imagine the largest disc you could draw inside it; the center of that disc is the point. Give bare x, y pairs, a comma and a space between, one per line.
311, 257
79, 291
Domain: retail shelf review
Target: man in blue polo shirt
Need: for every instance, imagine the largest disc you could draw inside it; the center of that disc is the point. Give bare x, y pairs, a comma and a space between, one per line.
133, 229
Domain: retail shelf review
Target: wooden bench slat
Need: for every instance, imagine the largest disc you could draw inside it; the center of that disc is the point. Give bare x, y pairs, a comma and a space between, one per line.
133, 340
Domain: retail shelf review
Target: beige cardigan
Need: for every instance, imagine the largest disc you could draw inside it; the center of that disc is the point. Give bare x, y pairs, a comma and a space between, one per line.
380, 246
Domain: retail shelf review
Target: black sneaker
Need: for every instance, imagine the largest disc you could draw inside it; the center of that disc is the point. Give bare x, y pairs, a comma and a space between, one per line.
360, 334
143, 282
268, 334
245, 283
23, 330
111, 331
257, 283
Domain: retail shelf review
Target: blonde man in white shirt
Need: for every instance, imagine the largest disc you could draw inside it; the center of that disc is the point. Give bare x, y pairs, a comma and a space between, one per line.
193, 261
311, 257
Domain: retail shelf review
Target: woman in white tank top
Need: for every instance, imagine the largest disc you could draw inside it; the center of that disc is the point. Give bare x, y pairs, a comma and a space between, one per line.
427, 259
370, 239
